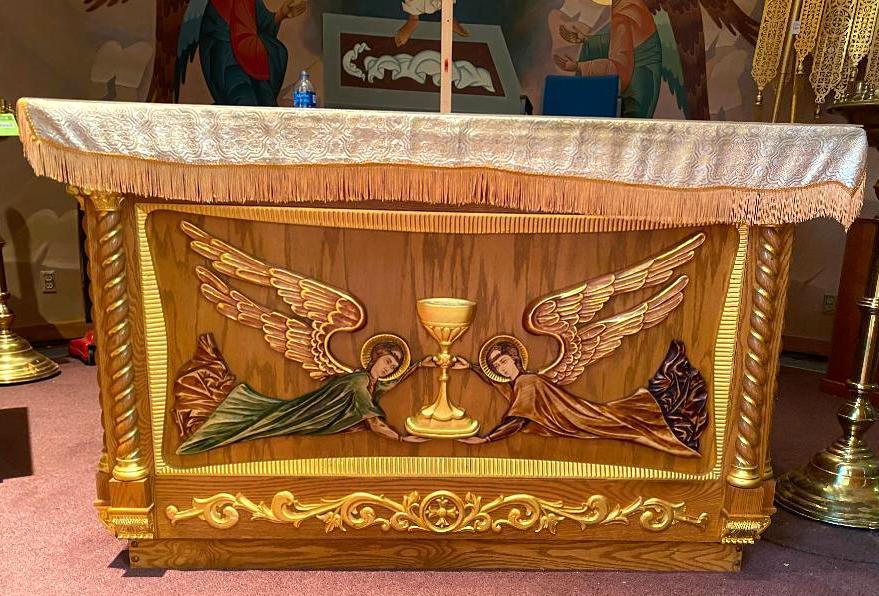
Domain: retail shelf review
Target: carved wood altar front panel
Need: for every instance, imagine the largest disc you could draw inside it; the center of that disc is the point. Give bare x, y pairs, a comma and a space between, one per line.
387, 272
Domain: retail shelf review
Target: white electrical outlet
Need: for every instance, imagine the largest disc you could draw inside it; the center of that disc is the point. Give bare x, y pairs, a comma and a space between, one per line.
49, 285
828, 306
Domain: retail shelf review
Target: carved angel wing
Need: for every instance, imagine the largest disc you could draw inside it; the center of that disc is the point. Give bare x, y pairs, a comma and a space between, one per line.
318, 310
566, 314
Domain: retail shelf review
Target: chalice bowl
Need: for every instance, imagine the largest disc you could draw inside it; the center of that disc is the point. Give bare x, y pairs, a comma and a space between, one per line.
446, 319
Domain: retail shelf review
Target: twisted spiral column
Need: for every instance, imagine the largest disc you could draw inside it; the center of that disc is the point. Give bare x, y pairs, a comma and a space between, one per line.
745, 472
104, 461
111, 305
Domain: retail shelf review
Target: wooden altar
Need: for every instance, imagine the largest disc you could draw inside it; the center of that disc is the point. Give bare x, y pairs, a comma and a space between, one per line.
376, 340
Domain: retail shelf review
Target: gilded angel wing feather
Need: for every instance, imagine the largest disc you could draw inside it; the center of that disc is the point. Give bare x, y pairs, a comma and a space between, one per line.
565, 314
319, 310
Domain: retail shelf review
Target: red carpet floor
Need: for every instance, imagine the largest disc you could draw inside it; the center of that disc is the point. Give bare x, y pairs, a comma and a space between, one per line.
52, 543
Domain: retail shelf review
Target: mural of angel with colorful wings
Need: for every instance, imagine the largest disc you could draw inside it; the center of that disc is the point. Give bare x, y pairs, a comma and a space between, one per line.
669, 415
349, 398
242, 59
651, 41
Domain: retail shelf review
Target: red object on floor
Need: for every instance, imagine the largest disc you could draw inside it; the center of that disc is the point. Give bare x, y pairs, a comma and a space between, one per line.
83, 348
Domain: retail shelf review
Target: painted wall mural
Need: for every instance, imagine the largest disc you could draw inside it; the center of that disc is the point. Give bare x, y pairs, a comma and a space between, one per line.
674, 58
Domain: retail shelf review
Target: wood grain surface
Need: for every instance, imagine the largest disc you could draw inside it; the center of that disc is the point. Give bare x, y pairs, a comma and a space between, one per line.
434, 554
388, 272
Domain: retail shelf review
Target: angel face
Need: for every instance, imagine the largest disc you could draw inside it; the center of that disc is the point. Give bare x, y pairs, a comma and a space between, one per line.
505, 360
384, 360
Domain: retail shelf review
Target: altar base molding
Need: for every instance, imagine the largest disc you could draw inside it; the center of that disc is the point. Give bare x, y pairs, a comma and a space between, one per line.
424, 341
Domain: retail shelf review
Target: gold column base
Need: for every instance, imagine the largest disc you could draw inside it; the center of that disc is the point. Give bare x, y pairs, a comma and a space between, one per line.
20, 363
840, 486
431, 428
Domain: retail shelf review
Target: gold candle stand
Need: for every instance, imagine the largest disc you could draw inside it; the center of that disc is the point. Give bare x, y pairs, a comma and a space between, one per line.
19, 362
446, 319
840, 485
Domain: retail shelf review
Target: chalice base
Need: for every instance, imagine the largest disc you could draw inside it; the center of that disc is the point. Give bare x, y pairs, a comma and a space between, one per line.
431, 428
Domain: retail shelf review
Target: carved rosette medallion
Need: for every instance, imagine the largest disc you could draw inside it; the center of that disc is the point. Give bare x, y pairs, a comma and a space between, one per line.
439, 512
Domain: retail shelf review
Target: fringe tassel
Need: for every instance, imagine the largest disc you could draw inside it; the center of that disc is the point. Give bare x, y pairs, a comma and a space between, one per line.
474, 187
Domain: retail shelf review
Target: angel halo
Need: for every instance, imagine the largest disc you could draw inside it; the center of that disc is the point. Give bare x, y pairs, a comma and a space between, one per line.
488, 352
566, 315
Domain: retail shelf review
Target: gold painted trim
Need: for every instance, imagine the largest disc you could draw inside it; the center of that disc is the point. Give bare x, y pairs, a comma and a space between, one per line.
131, 523
428, 222
453, 222
440, 512
725, 348
739, 530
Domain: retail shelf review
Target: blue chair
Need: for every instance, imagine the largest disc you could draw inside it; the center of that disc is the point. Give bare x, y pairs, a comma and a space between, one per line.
581, 96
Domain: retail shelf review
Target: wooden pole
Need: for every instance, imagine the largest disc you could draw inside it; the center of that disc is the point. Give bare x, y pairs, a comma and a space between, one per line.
446, 57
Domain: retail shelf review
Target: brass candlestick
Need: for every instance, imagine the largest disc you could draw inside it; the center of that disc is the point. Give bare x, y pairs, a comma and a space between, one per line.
19, 362
446, 319
840, 485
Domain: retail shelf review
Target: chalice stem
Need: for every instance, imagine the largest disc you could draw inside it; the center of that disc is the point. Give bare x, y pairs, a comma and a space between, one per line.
441, 408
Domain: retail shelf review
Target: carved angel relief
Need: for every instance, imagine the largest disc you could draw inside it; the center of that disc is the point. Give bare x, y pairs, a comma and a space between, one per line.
348, 400
211, 410
655, 416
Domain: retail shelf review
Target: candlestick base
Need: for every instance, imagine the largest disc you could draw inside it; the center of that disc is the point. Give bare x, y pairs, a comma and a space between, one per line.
20, 363
840, 486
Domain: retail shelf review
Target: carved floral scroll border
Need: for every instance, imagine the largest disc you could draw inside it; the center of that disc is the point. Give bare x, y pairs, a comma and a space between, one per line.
439, 512
467, 223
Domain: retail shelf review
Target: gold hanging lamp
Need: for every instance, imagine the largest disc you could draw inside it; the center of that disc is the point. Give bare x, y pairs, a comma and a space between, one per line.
19, 362
839, 485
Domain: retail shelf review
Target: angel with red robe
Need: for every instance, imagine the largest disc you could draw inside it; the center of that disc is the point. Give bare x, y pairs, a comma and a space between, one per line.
669, 414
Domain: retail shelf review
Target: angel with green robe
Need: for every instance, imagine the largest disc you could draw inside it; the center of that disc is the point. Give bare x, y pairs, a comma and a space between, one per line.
347, 401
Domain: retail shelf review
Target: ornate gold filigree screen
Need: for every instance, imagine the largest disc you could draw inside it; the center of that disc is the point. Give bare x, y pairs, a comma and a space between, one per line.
835, 41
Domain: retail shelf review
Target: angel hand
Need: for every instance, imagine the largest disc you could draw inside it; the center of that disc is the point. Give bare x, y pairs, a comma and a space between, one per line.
474, 440
565, 62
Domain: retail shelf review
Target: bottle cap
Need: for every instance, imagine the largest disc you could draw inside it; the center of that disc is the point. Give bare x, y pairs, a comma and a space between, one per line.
304, 73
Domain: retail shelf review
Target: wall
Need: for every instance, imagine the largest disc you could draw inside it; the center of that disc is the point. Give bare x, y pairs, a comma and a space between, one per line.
57, 48
47, 49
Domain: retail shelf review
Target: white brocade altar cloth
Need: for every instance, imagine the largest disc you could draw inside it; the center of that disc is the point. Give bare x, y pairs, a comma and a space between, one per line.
689, 172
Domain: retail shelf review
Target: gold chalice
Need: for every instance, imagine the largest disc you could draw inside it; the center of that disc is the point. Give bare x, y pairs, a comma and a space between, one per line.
446, 319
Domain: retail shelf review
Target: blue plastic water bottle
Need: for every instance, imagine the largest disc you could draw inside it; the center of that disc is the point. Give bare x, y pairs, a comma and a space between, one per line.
303, 94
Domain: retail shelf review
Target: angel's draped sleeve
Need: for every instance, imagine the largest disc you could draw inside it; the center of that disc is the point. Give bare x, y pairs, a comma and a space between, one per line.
340, 404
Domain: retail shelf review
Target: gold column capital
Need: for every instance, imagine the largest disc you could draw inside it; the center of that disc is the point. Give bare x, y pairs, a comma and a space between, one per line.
102, 200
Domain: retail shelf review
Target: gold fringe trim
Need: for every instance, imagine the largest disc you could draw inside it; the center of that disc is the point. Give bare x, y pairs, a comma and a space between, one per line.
477, 187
